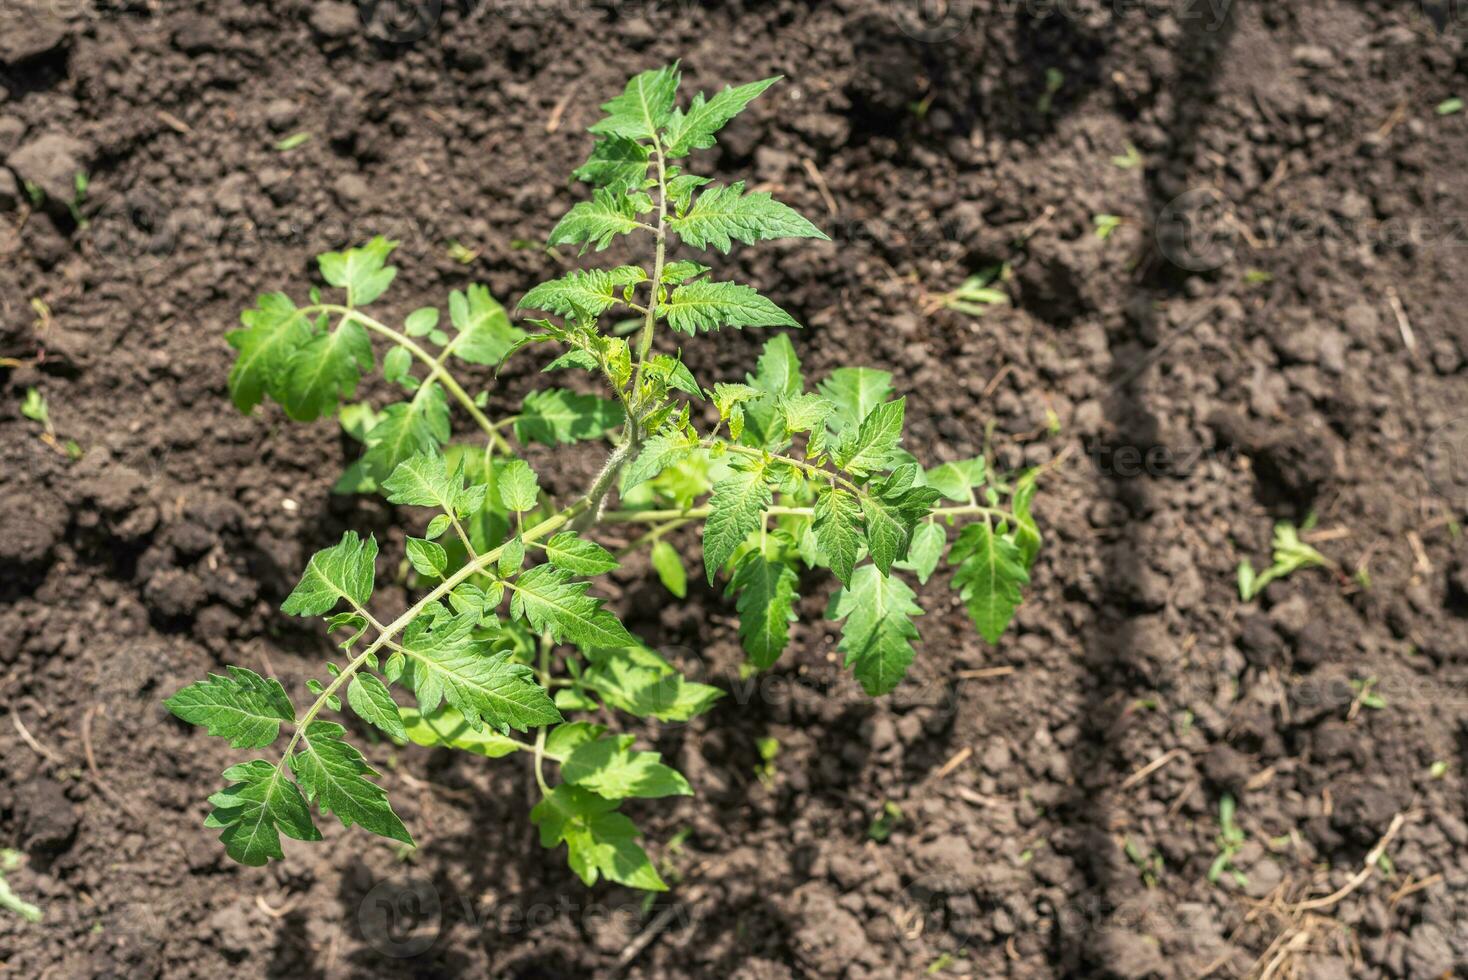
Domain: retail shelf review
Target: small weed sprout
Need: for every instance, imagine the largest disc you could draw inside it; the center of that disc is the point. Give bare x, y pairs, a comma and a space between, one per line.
1290, 555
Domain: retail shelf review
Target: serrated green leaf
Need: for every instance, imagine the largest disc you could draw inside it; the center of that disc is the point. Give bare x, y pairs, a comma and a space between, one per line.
362, 272
587, 292
259, 805
640, 682
778, 370
878, 630
600, 842
610, 768
1026, 531
346, 570
766, 604
955, 480
324, 370
681, 188
427, 557
695, 129
892, 509
855, 392
675, 273
274, 330
370, 699
724, 213
333, 775
518, 486
447, 663
871, 446
575, 554
446, 728
244, 707
548, 599
485, 334
837, 526
675, 373
437, 526
512, 557
617, 163
421, 322
989, 577
554, 416
396, 365
669, 566
705, 305
926, 550
424, 480
406, 429
736, 509
596, 222
643, 107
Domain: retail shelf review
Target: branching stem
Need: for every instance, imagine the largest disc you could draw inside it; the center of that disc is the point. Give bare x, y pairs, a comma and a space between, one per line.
436, 370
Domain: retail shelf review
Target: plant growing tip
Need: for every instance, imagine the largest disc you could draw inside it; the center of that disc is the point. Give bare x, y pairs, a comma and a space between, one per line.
506, 650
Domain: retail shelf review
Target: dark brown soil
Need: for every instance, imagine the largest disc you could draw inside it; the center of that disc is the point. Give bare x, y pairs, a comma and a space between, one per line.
1237, 351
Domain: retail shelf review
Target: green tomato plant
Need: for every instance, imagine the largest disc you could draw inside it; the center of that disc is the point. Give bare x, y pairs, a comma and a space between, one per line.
505, 651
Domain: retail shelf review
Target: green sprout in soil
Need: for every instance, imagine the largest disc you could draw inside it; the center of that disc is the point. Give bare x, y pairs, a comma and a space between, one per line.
502, 648
292, 141
769, 750
35, 408
1230, 841
9, 901
1054, 81
461, 253
885, 822
1129, 160
1439, 769
1106, 224
1290, 555
79, 198
1449, 107
975, 295
1148, 863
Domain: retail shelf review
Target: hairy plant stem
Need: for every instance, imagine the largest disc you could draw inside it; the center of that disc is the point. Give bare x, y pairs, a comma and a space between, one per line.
699, 513
644, 340
435, 366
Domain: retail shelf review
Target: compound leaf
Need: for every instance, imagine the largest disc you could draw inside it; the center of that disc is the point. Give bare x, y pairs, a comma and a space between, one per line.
362, 272
273, 331
600, 841
406, 429
333, 775
855, 392
596, 222
610, 768
447, 663
485, 334
244, 707
573, 553
259, 805
643, 107
548, 599
878, 630
640, 682
695, 129
724, 213
837, 526
990, 574
892, 510
617, 163
735, 510
346, 570
324, 370
871, 446
588, 292
370, 699
705, 305
554, 416
766, 589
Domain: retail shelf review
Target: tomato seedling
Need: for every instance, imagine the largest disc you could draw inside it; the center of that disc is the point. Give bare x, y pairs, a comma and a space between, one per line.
504, 650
